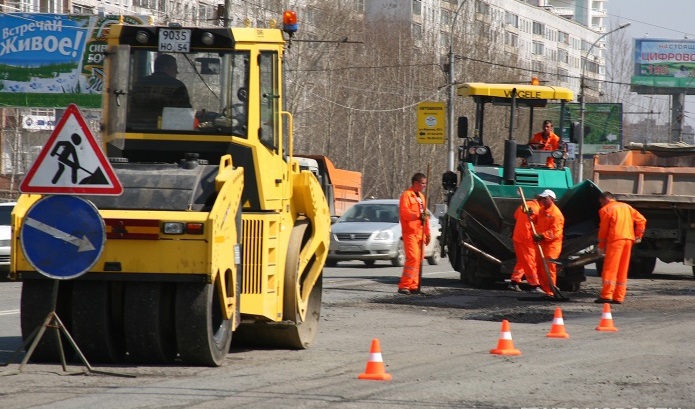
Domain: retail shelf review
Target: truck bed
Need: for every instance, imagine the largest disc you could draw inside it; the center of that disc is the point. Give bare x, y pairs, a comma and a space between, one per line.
656, 175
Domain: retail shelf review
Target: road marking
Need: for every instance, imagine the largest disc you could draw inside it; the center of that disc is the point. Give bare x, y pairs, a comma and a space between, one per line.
9, 312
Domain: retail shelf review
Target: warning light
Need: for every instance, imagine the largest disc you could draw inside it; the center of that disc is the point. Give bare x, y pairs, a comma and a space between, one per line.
534, 81
289, 21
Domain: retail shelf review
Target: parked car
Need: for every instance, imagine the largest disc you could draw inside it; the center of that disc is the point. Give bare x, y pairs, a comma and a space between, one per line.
5, 235
371, 230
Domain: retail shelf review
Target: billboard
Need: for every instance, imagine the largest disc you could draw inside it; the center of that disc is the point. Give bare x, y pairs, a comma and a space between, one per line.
52, 60
603, 125
664, 63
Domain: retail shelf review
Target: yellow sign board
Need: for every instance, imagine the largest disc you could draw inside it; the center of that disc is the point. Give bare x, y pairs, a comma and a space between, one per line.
431, 122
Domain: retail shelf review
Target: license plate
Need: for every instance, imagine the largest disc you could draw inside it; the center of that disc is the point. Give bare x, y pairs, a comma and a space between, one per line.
174, 40
350, 248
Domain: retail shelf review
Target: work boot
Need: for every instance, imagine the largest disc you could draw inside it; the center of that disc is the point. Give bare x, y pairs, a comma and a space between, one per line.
404, 291
537, 290
514, 287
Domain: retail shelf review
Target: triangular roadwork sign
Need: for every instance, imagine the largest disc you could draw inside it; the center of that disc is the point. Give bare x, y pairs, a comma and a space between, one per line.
71, 162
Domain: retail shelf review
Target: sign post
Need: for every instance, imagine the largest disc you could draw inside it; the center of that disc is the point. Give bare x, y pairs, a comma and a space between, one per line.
62, 236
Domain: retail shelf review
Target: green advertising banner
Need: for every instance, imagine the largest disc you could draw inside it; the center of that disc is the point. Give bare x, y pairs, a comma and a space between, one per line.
664, 63
603, 125
53, 60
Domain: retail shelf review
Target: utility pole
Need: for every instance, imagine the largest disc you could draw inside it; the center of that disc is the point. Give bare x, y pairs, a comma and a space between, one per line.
451, 164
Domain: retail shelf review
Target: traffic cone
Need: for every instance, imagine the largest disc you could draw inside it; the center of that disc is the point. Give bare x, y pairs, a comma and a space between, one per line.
606, 323
557, 330
375, 370
505, 346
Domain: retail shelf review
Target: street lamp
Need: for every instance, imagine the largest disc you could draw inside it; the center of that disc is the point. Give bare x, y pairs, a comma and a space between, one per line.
450, 103
580, 150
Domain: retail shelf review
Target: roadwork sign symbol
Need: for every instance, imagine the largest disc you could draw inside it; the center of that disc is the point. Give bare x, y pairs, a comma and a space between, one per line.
71, 162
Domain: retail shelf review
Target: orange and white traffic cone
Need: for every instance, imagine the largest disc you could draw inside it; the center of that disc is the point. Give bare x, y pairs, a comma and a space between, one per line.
505, 345
557, 330
606, 323
375, 370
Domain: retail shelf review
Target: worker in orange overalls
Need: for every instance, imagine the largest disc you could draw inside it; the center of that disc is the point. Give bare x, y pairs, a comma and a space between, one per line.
620, 225
550, 226
416, 233
546, 140
524, 247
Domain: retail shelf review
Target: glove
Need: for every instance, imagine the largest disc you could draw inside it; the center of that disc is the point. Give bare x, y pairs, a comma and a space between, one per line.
529, 211
601, 252
538, 238
427, 239
638, 240
423, 217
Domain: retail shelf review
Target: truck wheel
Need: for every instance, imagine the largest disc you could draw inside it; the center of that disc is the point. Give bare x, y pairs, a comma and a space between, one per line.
35, 306
148, 322
203, 334
399, 260
98, 321
433, 260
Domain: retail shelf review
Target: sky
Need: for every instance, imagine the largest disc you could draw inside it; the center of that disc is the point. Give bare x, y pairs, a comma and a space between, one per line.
669, 19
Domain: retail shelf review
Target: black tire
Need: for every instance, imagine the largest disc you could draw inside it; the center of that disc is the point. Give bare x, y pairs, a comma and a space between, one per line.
293, 333
369, 263
203, 334
436, 256
35, 305
148, 322
399, 260
98, 321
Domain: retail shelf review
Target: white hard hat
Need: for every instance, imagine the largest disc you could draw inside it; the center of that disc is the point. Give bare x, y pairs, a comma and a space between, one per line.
548, 193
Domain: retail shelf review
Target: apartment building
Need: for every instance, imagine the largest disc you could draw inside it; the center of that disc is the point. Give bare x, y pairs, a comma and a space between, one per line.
553, 39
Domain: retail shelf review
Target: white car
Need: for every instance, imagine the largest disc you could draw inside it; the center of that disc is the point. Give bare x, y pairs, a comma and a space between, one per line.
5, 235
370, 231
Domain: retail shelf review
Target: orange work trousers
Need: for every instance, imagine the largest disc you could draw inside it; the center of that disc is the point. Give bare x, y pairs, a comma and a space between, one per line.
615, 267
526, 254
550, 251
413, 244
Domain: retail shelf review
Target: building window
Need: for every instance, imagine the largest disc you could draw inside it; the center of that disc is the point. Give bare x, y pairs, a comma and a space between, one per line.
511, 39
538, 28
417, 7
359, 6
538, 48
81, 9
562, 56
417, 33
445, 18
512, 19
482, 7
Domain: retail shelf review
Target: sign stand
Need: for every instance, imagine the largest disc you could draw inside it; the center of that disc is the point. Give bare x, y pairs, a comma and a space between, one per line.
52, 321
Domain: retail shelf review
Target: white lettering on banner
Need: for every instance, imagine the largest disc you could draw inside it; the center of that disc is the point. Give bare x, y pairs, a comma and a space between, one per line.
65, 46
33, 26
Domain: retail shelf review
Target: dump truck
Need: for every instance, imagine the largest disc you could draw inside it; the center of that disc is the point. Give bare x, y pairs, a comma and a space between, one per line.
659, 181
482, 196
342, 187
218, 236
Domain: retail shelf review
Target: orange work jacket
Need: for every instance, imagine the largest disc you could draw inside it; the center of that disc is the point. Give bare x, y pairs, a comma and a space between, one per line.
551, 224
619, 221
522, 228
551, 144
412, 205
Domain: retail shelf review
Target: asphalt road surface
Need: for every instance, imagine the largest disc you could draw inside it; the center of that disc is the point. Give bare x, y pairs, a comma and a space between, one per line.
436, 348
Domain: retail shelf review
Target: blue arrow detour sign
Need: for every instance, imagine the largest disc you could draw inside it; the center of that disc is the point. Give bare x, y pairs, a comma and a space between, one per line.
62, 236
